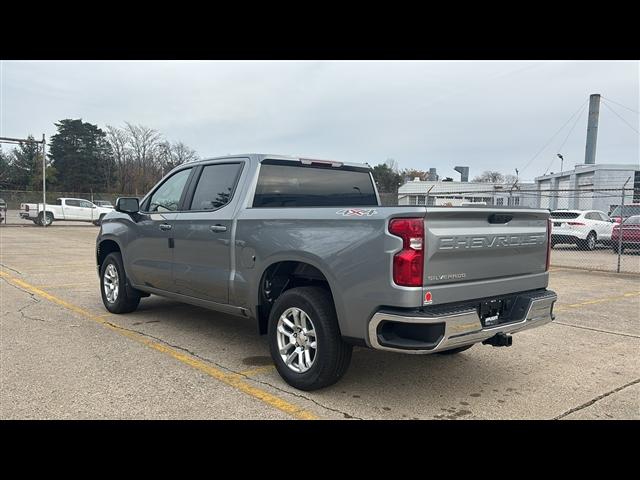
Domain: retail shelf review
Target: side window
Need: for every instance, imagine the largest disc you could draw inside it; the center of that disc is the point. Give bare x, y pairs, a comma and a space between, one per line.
603, 217
590, 216
85, 204
72, 203
167, 197
215, 186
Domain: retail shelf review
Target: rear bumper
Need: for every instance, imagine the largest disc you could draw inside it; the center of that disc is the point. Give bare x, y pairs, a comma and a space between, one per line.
564, 238
458, 327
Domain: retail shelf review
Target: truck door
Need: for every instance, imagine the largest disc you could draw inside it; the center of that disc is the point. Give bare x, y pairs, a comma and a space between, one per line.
87, 211
149, 255
203, 233
71, 209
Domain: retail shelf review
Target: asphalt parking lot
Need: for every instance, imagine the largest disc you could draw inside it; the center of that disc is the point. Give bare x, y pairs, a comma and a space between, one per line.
62, 355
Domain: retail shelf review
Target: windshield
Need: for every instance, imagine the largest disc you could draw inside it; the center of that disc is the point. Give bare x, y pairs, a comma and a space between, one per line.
627, 210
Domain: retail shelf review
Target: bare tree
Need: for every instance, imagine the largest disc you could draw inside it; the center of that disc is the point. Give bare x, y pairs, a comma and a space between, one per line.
489, 177
142, 156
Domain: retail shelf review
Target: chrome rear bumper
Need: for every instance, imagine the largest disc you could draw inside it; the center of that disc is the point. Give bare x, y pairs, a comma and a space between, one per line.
463, 327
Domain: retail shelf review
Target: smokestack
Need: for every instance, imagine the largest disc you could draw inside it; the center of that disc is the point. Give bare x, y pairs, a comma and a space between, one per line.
464, 173
592, 129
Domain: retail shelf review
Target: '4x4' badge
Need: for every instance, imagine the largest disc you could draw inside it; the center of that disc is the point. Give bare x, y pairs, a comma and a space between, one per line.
357, 212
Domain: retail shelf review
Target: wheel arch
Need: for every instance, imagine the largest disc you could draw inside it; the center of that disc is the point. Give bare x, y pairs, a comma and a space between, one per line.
281, 275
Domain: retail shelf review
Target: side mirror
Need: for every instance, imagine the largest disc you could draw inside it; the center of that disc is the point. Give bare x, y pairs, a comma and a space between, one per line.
127, 205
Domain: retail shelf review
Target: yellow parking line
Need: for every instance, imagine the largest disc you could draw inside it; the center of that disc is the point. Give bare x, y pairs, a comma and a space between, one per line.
598, 300
234, 380
258, 370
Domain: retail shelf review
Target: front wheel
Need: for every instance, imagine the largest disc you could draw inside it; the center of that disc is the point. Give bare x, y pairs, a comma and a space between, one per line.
113, 286
305, 341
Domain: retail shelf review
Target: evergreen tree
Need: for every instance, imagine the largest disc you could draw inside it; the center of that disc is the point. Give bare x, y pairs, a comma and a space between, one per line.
81, 157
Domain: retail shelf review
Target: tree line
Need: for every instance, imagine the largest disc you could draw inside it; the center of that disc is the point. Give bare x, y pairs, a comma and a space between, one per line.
83, 158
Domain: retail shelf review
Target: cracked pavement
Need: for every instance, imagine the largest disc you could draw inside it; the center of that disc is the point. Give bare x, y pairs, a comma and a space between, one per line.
56, 364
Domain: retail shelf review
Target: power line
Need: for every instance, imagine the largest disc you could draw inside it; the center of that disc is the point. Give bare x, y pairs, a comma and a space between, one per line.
567, 137
623, 106
614, 112
554, 136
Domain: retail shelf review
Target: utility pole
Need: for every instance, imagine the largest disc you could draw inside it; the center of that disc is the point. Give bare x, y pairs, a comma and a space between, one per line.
592, 129
44, 182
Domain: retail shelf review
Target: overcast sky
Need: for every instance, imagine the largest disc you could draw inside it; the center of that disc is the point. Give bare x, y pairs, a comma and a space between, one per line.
485, 115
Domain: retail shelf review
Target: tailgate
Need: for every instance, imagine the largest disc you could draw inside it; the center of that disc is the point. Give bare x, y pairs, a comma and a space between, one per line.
467, 244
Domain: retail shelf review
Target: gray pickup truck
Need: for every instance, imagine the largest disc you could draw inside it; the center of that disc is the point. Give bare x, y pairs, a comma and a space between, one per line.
305, 248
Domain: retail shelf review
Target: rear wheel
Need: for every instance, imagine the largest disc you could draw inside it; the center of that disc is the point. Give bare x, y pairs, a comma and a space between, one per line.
305, 340
48, 219
453, 351
116, 297
589, 243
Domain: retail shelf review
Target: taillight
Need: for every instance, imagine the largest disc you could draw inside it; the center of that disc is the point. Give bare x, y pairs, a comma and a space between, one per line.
408, 263
548, 244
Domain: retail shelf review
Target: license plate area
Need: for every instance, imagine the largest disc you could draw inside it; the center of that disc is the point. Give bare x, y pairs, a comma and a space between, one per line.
495, 311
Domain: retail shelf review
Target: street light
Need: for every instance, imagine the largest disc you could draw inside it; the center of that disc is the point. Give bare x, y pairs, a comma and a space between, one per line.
561, 162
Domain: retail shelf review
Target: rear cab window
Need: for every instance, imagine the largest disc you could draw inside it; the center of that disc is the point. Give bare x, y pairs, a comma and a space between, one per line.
286, 184
215, 186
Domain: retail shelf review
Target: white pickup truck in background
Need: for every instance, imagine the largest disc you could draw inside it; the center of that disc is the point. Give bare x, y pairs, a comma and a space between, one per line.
67, 209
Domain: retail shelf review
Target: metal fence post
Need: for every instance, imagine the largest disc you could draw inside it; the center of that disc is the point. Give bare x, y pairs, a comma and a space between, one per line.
621, 222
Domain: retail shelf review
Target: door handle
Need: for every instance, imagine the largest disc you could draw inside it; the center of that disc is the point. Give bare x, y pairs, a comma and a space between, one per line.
165, 226
218, 228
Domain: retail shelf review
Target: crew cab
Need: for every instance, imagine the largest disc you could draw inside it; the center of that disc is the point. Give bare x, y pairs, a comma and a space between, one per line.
68, 209
304, 248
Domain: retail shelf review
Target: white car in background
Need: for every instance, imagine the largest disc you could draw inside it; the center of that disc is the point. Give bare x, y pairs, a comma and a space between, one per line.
584, 228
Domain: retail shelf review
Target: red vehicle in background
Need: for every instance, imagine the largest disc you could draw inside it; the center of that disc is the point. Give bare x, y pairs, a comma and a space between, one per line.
622, 212
630, 234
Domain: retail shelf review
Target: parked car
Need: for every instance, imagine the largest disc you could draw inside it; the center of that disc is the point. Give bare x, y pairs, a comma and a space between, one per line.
68, 209
305, 248
584, 228
630, 234
622, 212
103, 203
3, 210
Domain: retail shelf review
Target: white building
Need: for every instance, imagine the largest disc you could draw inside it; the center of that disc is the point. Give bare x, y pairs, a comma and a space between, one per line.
455, 193
589, 187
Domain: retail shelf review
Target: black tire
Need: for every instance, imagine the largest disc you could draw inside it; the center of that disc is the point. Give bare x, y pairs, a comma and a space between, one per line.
333, 354
590, 243
48, 218
98, 222
453, 351
127, 299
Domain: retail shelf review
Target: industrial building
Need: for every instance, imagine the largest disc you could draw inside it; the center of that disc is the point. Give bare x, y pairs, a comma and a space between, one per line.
454, 194
588, 186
